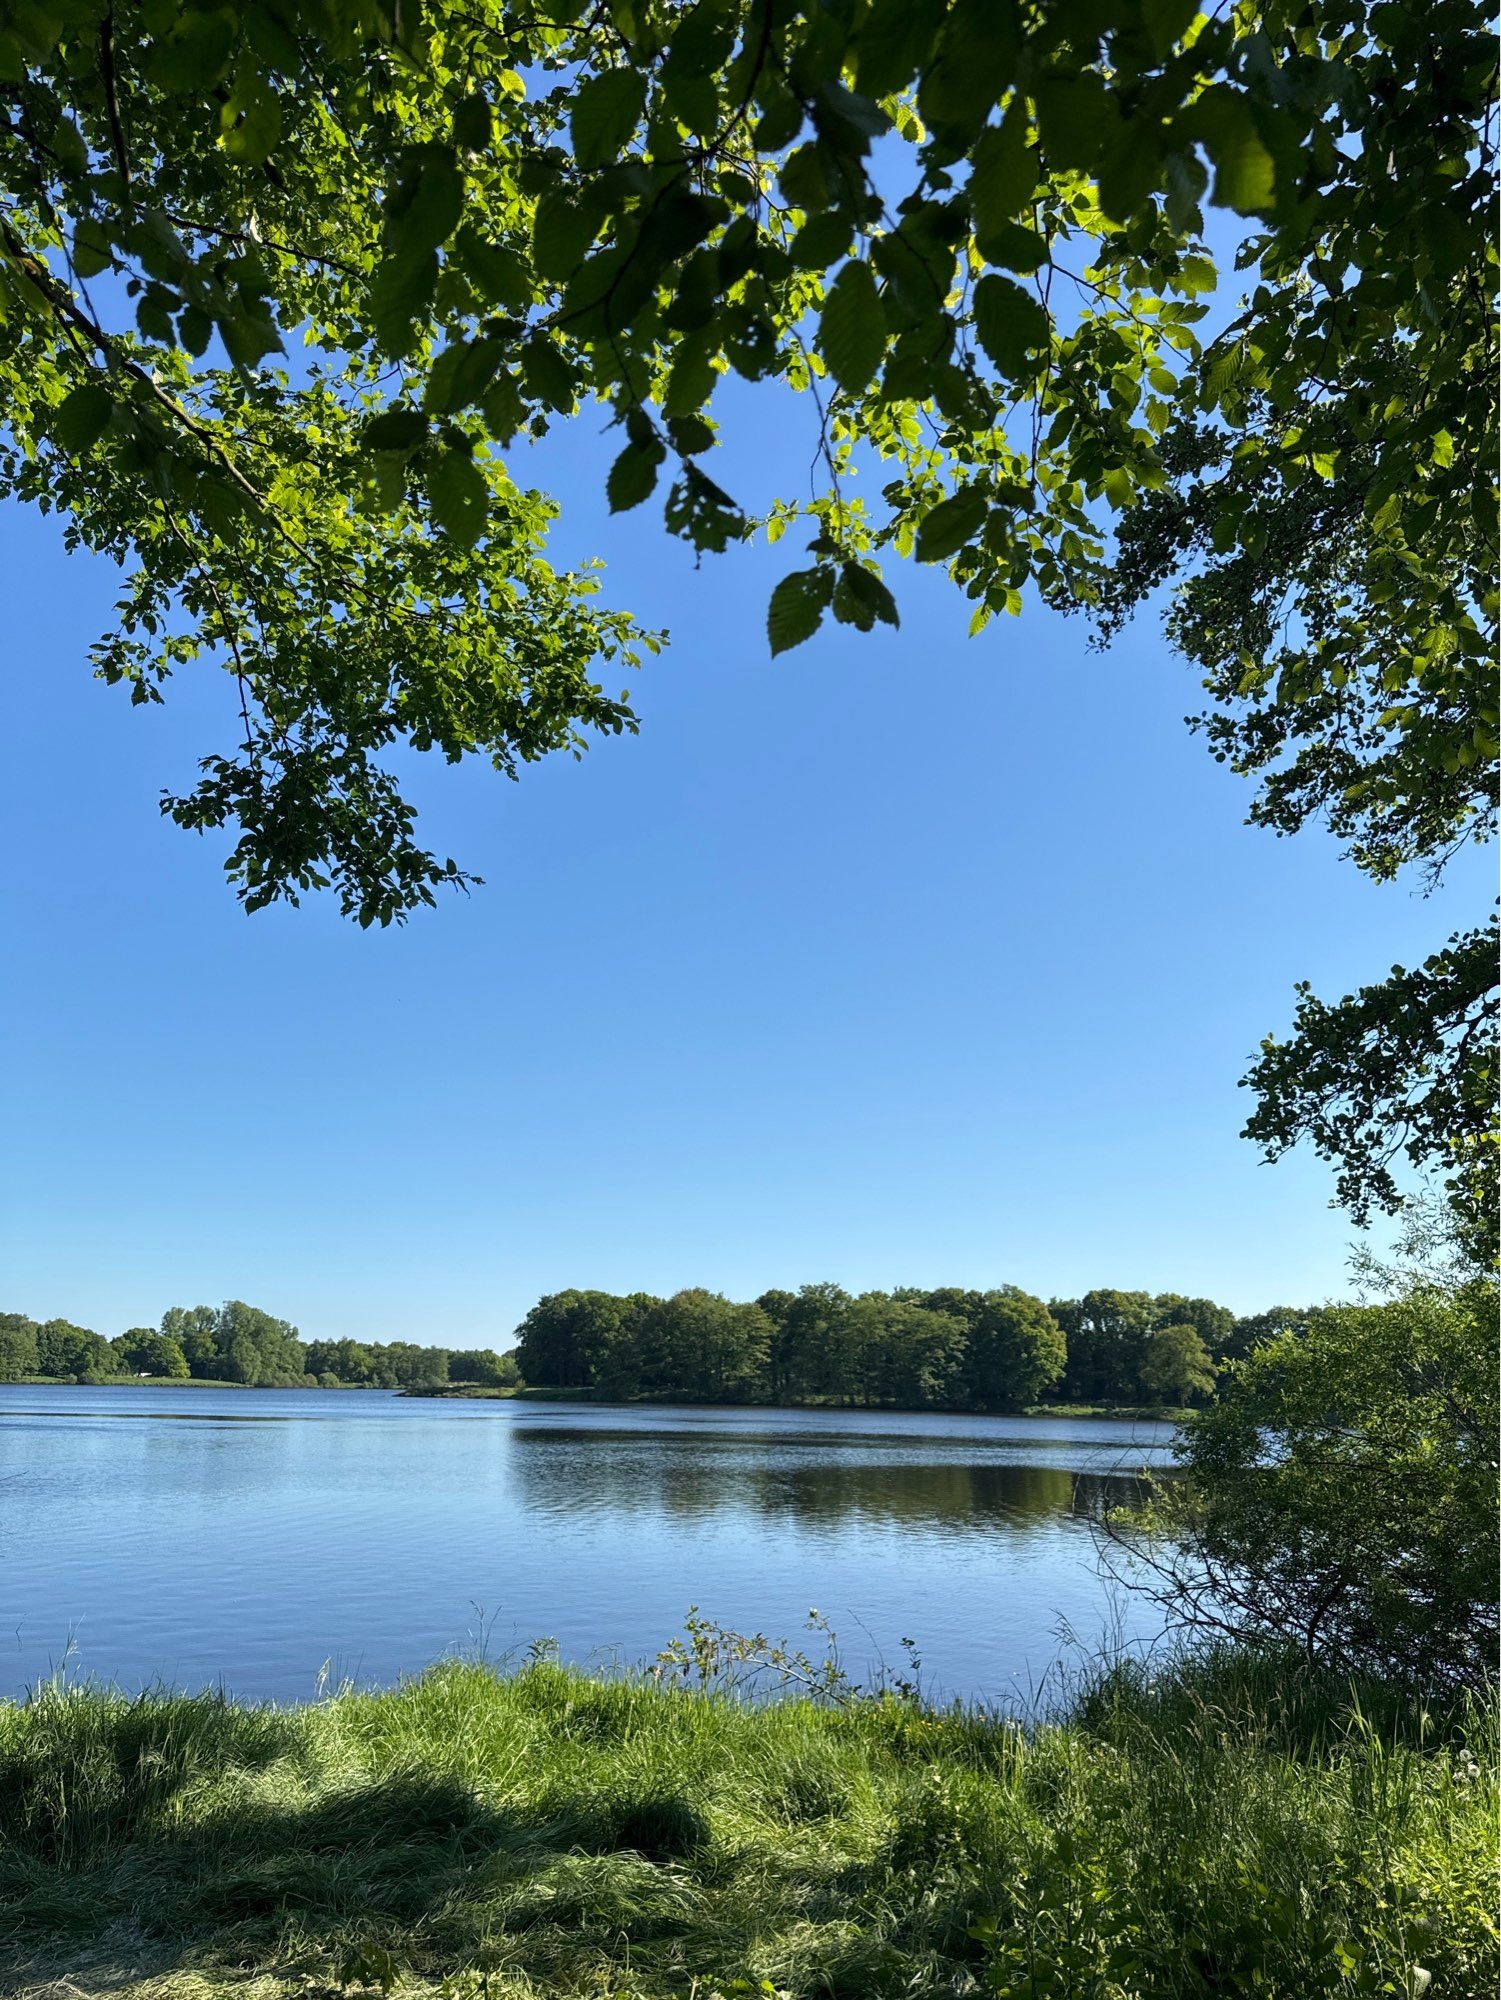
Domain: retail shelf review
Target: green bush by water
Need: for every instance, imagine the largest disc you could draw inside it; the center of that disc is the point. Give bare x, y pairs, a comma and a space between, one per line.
1232, 1826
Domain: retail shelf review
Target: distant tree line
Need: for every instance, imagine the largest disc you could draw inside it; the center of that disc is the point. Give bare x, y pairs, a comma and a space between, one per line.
236, 1343
910, 1348
943, 1349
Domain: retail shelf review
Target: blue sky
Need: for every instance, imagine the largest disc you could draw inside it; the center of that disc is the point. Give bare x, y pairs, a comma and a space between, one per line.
908, 958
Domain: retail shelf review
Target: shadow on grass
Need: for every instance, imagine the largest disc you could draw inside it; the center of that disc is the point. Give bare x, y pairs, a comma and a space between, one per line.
166, 1835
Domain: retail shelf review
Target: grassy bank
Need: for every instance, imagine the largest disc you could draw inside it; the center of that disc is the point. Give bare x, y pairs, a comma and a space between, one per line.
1230, 1829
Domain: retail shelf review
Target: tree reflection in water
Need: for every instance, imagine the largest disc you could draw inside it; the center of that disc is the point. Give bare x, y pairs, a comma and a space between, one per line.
818, 1484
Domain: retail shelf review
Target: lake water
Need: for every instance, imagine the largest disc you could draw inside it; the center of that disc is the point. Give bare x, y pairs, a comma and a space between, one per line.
275, 1541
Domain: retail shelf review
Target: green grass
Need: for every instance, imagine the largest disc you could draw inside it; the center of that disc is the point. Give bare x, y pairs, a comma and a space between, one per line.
1230, 1827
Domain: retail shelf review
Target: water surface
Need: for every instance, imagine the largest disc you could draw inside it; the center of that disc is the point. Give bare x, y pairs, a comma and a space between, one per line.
276, 1541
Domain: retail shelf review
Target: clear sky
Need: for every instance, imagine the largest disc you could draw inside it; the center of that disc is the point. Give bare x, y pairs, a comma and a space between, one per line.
909, 958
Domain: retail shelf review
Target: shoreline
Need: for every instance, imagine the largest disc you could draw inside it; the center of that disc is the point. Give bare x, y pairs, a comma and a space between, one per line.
1170, 1413
1166, 1413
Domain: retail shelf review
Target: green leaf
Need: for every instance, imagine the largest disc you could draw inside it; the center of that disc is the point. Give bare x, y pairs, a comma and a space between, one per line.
634, 474
461, 374
1002, 180
195, 329
196, 53
976, 59
691, 380
1195, 275
851, 329
458, 496
472, 123
82, 417
822, 240
606, 111
797, 607
547, 374
68, 148
562, 231
91, 248
401, 289
1165, 21
701, 512
394, 430
860, 598
250, 124
504, 408
1075, 116
892, 43
693, 101
1012, 325
690, 435
945, 529
499, 273
424, 212
1017, 249
1245, 176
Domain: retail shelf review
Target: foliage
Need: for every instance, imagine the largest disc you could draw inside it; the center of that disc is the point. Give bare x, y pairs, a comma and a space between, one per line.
144, 1351
971, 234
235, 1343
912, 1348
1226, 1825
1175, 1365
1014, 1348
1341, 1493
1110, 1335
486, 1368
18, 1347
73, 1353
1402, 1070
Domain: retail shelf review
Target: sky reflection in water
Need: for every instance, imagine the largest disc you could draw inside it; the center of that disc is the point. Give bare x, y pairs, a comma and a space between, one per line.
266, 1539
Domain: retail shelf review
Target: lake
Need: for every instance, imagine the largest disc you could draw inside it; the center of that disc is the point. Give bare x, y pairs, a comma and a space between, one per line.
276, 1542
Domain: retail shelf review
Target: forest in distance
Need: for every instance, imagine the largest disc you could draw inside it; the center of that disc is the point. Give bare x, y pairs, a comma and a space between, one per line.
910, 1348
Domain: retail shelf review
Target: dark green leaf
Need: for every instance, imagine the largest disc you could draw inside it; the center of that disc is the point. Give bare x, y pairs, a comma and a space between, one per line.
976, 60
196, 53
426, 214
634, 474
1012, 325
606, 111
860, 598
797, 607
851, 330
822, 240
82, 417
945, 529
562, 231
91, 248
458, 496
1002, 180
460, 375
472, 123
394, 430
1244, 172
1075, 117
547, 373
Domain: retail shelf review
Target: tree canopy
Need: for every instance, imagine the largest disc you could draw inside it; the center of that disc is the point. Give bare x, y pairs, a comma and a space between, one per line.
284, 281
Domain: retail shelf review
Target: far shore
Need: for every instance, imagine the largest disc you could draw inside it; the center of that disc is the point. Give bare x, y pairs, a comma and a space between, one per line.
1166, 1413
